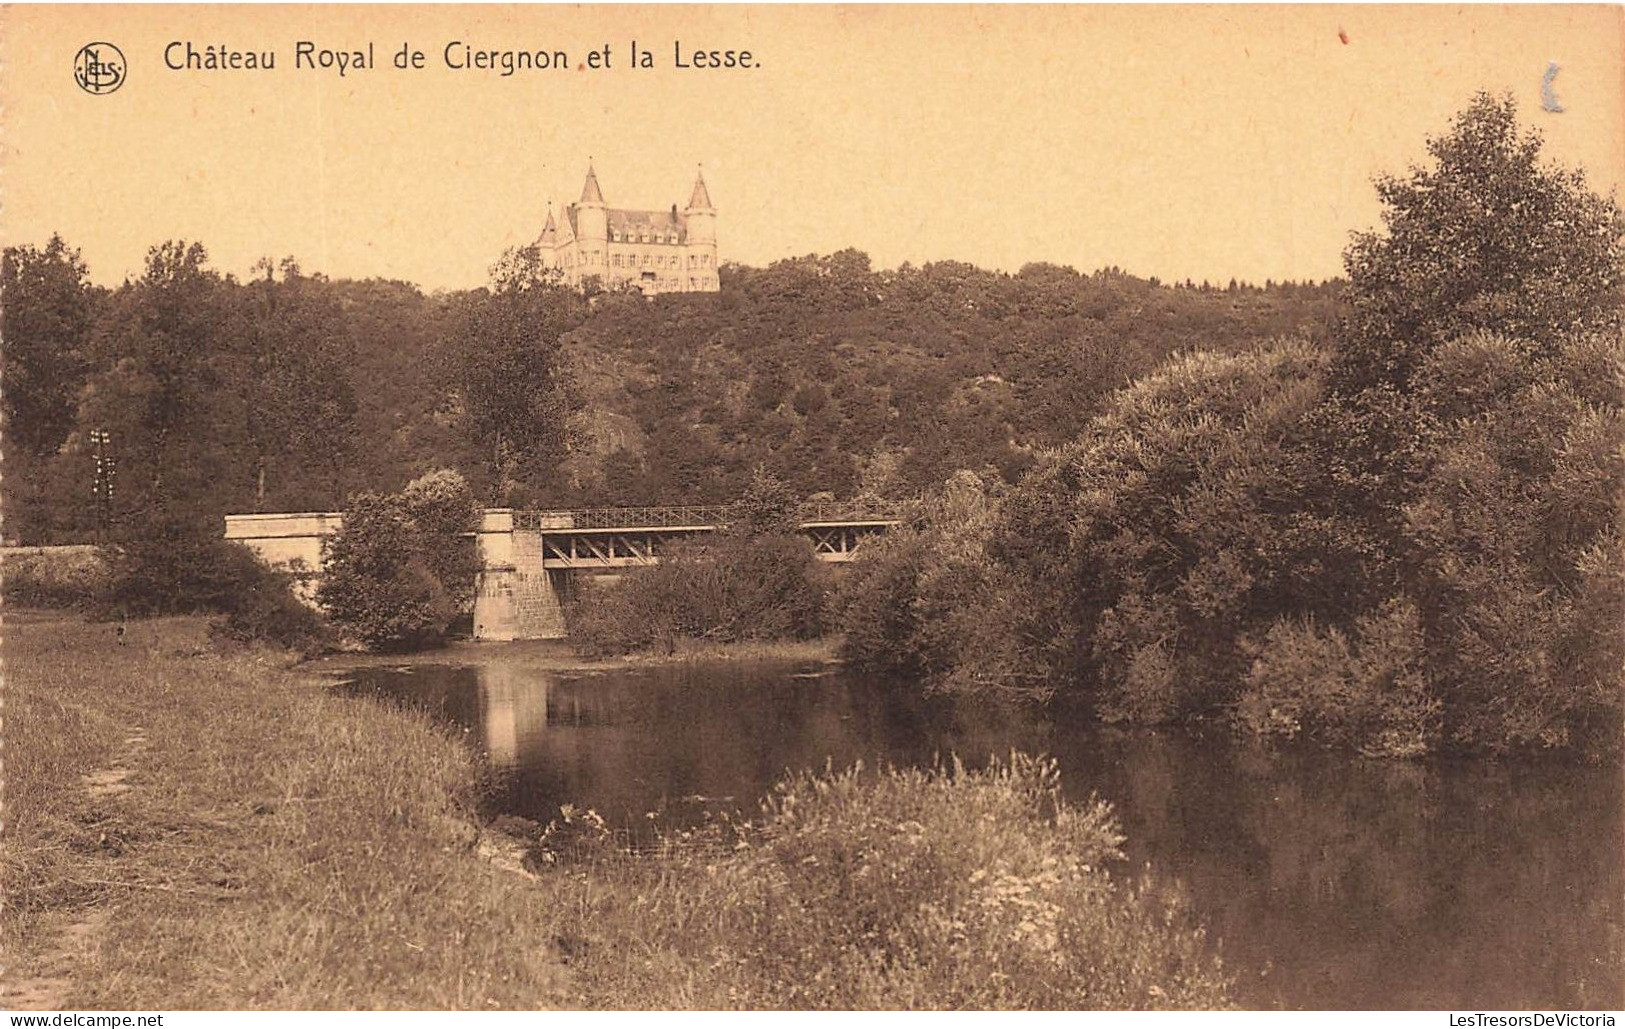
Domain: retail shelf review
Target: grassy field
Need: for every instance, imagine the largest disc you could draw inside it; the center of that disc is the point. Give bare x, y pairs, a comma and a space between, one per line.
268, 845
193, 829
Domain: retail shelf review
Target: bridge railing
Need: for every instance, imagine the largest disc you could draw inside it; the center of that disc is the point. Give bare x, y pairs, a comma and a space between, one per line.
697, 515
850, 511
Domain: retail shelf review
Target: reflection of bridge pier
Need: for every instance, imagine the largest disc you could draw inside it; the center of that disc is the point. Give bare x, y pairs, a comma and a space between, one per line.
529, 559
513, 710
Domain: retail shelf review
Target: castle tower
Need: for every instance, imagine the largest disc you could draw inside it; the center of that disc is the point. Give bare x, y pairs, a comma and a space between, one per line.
701, 219
592, 227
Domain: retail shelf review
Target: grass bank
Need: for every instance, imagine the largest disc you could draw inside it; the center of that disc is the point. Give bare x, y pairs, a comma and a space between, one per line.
191, 829
241, 838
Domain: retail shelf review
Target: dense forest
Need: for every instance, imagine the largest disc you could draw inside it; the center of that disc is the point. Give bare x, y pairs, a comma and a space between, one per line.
289, 391
1402, 541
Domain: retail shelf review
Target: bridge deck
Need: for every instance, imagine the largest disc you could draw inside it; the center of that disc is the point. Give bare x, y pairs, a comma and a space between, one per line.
625, 537
699, 517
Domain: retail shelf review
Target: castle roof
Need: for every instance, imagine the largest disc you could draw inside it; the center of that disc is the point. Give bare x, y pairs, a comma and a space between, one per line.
634, 223
638, 222
590, 193
626, 225
701, 199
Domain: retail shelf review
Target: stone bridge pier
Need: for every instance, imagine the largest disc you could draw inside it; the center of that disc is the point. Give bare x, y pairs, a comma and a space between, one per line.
517, 597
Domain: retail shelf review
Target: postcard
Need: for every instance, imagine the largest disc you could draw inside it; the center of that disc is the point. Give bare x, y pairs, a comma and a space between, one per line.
803, 507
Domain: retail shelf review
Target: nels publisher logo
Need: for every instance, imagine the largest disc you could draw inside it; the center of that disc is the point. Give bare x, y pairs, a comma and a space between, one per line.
98, 68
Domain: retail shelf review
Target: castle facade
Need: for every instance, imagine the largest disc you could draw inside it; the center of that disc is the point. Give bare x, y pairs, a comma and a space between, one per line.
652, 251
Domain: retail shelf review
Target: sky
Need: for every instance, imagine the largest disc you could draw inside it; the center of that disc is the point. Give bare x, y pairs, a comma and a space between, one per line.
1180, 142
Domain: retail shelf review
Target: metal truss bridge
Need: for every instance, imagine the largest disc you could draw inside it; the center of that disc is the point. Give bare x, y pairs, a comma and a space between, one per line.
618, 537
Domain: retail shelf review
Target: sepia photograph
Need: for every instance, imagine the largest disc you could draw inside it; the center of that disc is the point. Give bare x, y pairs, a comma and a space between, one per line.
812, 508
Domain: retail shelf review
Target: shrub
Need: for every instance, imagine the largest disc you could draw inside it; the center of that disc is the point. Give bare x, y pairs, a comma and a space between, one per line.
180, 569
170, 568
1370, 692
440, 508
874, 605
735, 585
55, 577
929, 602
398, 572
1168, 535
265, 608
1508, 542
943, 888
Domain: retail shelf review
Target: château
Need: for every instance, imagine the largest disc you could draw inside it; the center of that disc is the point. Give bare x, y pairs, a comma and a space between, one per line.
651, 251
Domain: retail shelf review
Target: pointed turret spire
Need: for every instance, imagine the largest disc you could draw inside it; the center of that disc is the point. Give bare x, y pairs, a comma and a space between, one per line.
701, 200
590, 193
550, 231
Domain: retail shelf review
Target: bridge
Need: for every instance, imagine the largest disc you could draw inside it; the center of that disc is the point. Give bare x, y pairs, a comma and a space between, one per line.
618, 537
530, 559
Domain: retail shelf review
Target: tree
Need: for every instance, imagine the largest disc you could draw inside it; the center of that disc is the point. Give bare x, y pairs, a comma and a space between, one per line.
297, 400
400, 570
45, 322
164, 360
1486, 239
1177, 519
46, 312
930, 602
508, 363
1474, 432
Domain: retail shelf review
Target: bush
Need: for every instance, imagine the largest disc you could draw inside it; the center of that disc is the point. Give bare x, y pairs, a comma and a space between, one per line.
55, 577
171, 568
735, 585
399, 571
266, 608
1370, 692
929, 602
1169, 535
944, 888
182, 570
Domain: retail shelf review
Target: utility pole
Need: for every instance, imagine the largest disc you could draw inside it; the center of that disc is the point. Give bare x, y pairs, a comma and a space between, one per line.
102, 487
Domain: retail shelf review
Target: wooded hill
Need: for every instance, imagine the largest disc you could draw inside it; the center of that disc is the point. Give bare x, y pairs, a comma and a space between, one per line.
291, 391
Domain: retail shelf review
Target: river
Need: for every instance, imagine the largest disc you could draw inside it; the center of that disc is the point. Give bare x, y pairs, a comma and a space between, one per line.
1330, 881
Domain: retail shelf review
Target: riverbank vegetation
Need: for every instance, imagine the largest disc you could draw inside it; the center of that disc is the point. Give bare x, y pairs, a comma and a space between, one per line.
1405, 541
400, 570
169, 570
755, 579
941, 888
191, 828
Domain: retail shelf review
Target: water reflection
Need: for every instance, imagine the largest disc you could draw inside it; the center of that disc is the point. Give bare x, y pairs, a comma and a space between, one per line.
513, 712
1331, 881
